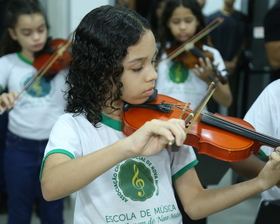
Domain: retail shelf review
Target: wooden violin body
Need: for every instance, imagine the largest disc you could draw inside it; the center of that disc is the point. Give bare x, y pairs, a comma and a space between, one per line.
187, 58
220, 143
57, 57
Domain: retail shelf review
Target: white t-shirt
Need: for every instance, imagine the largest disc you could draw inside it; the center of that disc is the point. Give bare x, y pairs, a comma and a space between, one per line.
182, 84
137, 190
40, 105
264, 115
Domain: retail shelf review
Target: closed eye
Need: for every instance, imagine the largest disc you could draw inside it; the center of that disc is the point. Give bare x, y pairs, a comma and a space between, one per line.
138, 69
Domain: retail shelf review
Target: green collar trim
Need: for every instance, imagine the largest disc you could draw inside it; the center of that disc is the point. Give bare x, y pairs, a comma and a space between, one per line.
24, 59
117, 125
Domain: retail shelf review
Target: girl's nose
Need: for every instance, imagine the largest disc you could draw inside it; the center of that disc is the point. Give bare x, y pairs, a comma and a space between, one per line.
151, 75
182, 25
36, 36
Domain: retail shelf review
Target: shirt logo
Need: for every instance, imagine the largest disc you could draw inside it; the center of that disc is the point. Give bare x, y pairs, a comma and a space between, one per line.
178, 73
39, 88
135, 180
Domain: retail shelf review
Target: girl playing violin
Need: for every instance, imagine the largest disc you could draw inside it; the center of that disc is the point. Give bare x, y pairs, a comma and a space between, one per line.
126, 179
181, 20
34, 112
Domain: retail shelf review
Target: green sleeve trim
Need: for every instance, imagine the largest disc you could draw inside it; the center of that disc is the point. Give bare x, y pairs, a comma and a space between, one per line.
262, 154
63, 151
185, 169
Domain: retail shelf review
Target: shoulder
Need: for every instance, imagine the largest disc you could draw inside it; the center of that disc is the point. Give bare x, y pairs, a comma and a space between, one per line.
9, 57
270, 95
273, 88
72, 118
69, 121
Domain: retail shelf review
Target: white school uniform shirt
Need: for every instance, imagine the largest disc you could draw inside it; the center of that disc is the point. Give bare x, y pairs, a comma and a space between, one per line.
39, 106
137, 190
264, 115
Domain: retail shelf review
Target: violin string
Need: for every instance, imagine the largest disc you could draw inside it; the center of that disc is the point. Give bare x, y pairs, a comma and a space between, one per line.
244, 131
253, 134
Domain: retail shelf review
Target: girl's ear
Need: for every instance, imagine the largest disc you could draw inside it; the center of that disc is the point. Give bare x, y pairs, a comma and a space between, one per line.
12, 33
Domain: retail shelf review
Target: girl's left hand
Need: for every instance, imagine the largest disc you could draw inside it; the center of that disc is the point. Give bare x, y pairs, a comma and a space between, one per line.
270, 174
204, 70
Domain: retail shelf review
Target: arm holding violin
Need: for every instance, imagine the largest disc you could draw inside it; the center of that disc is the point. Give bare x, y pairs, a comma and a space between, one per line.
60, 170
199, 202
248, 168
264, 116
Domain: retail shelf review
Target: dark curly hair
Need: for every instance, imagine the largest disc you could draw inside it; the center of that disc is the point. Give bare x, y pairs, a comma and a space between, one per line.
100, 44
14, 9
165, 33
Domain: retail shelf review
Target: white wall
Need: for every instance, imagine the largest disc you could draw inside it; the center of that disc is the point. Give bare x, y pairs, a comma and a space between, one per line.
65, 15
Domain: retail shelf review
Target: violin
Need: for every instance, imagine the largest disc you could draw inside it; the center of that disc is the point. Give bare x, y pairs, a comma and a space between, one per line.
222, 137
55, 58
190, 58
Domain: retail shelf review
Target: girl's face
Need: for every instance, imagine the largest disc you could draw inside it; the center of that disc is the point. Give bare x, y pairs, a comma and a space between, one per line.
139, 73
182, 24
30, 32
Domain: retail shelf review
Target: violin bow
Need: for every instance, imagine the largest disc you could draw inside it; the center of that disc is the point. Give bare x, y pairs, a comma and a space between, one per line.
189, 121
42, 71
189, 44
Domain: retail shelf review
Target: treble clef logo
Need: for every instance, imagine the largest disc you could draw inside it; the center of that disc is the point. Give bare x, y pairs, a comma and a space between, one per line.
137, 182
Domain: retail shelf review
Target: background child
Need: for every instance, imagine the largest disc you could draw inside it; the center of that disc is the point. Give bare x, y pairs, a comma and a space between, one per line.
264, 115
33, 115
181, 20
126, 179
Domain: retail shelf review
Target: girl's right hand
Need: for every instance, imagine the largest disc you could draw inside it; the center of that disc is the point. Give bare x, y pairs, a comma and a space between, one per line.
7, 100
154, 135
